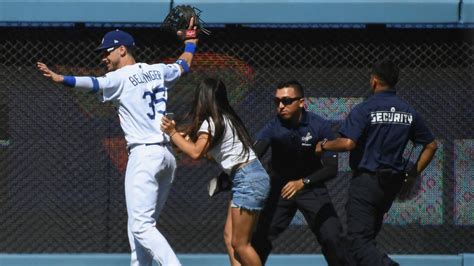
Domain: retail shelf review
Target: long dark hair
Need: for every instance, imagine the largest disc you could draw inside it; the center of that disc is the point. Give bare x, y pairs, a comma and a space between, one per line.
210, 100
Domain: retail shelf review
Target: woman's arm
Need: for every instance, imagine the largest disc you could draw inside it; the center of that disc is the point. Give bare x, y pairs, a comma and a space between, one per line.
195, 150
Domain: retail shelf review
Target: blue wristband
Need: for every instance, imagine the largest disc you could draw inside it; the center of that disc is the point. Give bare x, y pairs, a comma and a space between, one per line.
190, 47
69, 81
183, 64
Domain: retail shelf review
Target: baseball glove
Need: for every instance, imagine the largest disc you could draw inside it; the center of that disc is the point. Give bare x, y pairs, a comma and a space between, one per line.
179, 19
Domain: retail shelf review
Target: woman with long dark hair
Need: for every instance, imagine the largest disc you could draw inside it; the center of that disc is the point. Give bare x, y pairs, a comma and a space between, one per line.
217, 131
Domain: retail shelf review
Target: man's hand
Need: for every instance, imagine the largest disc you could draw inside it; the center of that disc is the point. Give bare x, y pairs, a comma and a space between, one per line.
291, 188
48, 73
408, 191
318, 150
191, 30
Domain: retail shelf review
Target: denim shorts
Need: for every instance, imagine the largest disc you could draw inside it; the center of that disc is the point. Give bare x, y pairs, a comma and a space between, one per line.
251, 185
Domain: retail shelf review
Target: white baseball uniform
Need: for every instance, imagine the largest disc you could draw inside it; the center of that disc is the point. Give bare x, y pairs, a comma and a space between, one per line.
141, 91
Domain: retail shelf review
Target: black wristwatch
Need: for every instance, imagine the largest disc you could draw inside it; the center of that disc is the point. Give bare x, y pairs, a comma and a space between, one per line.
322, 144
306, 181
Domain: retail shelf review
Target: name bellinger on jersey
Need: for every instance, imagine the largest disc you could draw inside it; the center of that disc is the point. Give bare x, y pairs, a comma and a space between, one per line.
144, 77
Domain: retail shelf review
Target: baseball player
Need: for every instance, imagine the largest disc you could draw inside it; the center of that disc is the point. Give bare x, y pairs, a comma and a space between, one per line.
142, 92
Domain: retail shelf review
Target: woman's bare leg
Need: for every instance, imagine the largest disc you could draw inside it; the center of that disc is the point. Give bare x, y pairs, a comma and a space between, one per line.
228, 238
243, 222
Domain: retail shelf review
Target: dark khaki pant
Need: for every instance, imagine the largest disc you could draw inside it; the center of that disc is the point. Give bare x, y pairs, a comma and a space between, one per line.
368, 202
318, 211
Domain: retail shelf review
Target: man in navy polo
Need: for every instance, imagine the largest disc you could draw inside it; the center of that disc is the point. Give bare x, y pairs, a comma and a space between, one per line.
377, 132
298, 176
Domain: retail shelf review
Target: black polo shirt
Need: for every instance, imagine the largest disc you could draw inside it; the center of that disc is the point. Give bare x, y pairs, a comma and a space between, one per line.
381, 127
293, 147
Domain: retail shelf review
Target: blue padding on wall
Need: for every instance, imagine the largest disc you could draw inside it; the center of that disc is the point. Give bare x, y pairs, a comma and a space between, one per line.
237, 11
429, 260
468, 259
64, 259
327, 11
143, 11
467, 12
214, 260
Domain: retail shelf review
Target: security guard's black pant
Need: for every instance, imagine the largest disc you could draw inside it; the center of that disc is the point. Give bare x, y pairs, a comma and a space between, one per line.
319, 213
367, 204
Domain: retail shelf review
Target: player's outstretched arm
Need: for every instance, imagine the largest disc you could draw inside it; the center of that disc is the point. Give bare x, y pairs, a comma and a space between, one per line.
84, 84
49, 73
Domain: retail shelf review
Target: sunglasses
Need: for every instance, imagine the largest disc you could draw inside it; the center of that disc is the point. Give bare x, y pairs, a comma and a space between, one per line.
107, 51
285, 101
111, 49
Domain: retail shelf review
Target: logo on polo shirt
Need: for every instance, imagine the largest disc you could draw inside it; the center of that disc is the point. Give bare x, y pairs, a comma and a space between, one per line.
391, 117
306, 139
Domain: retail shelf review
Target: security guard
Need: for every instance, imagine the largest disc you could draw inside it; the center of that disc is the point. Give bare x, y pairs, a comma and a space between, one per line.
298, 176
377, 132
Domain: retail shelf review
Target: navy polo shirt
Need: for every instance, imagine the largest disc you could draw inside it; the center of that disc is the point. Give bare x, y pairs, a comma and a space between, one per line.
381, 127
293, 147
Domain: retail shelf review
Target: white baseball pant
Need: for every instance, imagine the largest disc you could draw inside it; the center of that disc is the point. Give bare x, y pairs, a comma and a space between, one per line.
150, 173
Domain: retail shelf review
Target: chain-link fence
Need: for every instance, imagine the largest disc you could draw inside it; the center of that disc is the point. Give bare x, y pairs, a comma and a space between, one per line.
62, 154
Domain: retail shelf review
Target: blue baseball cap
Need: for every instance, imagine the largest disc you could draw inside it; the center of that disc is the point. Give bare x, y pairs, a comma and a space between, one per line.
115, 38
